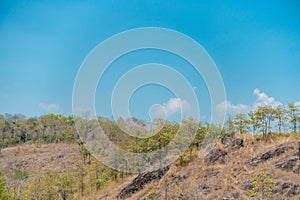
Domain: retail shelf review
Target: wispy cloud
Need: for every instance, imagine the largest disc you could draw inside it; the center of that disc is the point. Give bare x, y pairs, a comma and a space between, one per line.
233, 109
49, 107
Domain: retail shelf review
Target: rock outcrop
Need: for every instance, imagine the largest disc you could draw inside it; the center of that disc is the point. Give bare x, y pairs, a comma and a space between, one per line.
230, 196
287, 189
232, 143
270, 154
288, 164
216, 155
140, 181
237, 143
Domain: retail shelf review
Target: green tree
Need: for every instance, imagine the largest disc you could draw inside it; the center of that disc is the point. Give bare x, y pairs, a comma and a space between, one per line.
241, 123
293, 111
254, 121
280, 117
265, 115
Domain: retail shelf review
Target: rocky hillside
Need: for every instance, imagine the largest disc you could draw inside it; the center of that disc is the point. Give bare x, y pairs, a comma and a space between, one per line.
240, 167
243, 167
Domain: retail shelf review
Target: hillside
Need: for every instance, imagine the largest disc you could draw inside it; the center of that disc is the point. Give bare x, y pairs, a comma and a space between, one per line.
226, 172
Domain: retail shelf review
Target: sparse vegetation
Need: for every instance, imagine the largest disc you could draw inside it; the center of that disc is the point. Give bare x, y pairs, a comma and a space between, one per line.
263, 185
90, 176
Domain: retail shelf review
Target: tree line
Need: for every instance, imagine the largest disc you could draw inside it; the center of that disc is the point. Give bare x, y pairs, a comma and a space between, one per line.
266, 119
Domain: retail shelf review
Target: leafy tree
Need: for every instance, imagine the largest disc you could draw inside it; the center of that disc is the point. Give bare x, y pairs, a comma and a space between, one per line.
280, 117
241, 123
254, 121
293, 111
265, 114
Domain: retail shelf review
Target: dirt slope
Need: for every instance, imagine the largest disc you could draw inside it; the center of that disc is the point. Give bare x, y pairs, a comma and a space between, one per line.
32, 158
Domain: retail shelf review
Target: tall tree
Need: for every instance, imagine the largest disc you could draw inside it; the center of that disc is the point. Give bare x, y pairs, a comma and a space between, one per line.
280, 117
241, 123
293, 111
254, 121
265, 115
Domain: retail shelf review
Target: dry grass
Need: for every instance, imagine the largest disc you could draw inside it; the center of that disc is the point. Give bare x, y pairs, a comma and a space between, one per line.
180, 181
231, 178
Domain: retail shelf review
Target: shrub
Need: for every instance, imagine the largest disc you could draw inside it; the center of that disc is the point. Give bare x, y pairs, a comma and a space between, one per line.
263, 186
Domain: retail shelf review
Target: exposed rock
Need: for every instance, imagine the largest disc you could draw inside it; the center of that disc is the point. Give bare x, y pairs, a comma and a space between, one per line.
295, 190
226, 139
248, 185
287, 164
140, 181
230, 196
298, 153
237, 143
270, 154
203, 188
216, 155
178, 179
287, 189
212, 174
60, 156
297, 169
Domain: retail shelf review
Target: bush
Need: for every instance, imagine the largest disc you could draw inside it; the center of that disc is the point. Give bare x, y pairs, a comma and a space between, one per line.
263, 186
3, 191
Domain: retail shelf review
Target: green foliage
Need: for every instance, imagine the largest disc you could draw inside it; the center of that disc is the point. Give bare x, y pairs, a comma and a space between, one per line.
263, 186
296, 136
16, 129
19, 175
93, 176
52, 185
3, 192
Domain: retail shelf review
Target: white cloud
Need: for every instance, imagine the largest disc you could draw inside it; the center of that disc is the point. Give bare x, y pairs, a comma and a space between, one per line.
174, 105
261, 100
49, 107
264, 99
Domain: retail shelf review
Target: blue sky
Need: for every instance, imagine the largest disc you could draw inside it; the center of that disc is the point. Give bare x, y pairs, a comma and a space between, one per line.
255, 44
